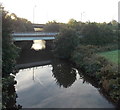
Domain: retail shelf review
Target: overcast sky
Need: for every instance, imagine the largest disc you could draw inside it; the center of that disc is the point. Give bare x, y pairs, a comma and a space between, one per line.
63, 10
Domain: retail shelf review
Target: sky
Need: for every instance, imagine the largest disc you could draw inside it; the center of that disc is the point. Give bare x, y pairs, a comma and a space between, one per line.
42, 11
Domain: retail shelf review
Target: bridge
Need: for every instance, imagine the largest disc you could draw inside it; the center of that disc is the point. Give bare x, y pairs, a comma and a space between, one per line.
38, 25
29, 36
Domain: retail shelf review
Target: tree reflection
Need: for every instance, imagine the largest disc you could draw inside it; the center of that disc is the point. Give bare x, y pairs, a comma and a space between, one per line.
64, 74
9, 94
87, 79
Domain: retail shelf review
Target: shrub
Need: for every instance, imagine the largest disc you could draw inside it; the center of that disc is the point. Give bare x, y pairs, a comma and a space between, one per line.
9, 50
66, 42
80, 53
114, 87
94, 64
105, 73
99, 35
111, 73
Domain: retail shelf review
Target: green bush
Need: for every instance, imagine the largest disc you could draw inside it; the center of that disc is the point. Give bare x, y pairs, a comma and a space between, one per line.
9, 55
8, 93
114, 89
111, 73
82, 52
96, 34
109, 47
9, 50
66, 42
104, 72
94, 64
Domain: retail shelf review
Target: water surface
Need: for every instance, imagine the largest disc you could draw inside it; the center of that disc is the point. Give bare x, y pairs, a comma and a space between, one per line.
45, 82
57, 85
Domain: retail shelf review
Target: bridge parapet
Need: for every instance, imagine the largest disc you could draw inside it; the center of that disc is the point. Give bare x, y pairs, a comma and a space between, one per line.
38, 25
35, 34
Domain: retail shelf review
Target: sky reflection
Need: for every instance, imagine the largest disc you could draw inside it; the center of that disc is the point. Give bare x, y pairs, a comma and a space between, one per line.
37, 88
38, 45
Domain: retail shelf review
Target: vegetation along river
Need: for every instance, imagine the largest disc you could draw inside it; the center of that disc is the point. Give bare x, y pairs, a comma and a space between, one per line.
46, 82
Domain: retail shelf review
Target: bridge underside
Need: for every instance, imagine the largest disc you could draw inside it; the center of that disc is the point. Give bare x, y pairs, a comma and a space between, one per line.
31, 58
24, 45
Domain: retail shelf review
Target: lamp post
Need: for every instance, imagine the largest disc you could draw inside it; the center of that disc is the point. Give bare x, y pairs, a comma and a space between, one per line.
119, 12
34, 13
82, 15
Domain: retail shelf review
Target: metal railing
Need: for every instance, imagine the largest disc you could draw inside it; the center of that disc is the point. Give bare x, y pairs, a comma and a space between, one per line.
35, 34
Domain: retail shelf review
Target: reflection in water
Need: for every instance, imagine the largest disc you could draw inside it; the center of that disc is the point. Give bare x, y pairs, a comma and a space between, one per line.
36, 87
87, 79
38, 45
9, 94
63, 72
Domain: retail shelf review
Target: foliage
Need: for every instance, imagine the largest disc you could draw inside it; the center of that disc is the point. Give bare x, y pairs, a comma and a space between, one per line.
114, 89
104, 72
64, 74
81, 52
112, 76
86, 59
9, 50
109, 47
66, 42
97, 34
15, 24
20, 24
52, 26
112, 55
92, 38
74, 24
9, 55
9, 94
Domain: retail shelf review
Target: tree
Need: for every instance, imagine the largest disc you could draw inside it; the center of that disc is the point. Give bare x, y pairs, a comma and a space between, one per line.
21, 24
63, 72
52, 26
90, 34
74, 24
65, 43
97, 34
9, 50
9, 54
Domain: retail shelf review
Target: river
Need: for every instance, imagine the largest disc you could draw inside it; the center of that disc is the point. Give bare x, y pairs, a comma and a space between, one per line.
46, 82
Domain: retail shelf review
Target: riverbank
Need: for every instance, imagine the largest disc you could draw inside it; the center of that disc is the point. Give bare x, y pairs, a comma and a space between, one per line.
100, 69
58, 85
113, 56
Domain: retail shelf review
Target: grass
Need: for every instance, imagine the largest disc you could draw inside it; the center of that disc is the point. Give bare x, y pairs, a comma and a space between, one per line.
112, 56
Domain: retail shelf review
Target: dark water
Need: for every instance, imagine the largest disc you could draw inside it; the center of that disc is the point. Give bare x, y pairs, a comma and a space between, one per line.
55, 85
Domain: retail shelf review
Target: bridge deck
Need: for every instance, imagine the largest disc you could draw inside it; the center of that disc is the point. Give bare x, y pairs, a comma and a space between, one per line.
34, 34
38, 25
32, 38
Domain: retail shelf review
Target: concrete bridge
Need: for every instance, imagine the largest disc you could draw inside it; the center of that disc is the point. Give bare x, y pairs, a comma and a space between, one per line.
30, 36
38, 25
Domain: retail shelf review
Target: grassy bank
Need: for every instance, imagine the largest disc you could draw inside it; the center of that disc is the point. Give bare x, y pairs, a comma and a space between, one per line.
112, 56
99, 68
